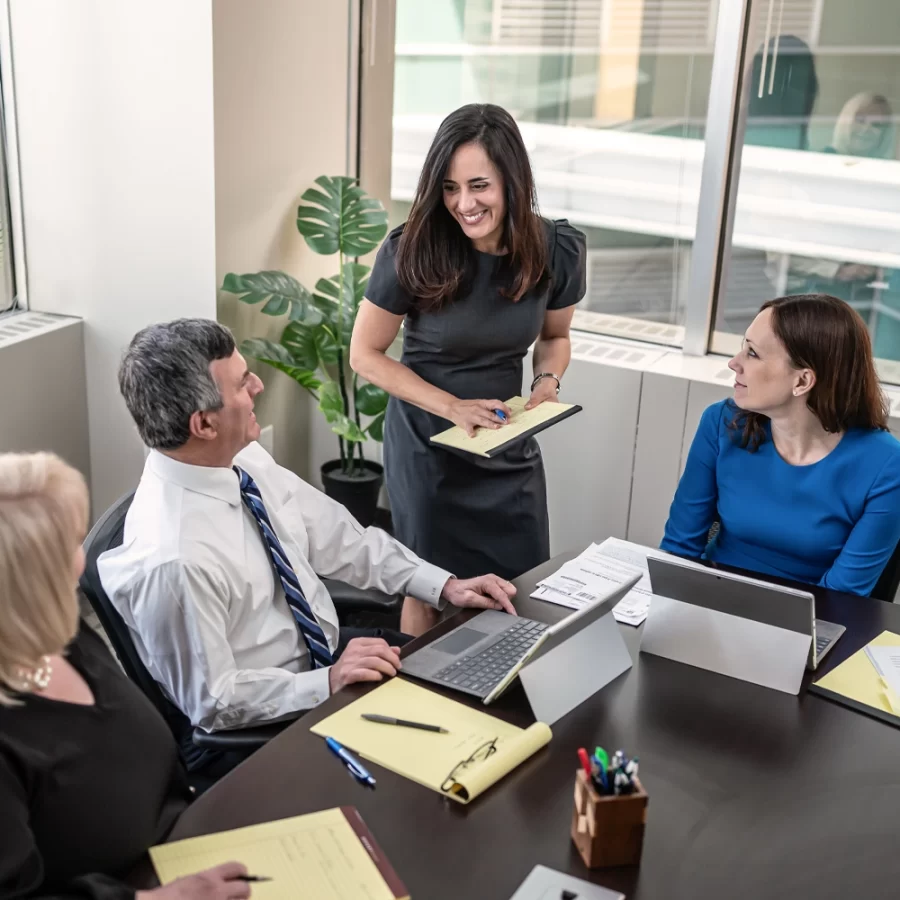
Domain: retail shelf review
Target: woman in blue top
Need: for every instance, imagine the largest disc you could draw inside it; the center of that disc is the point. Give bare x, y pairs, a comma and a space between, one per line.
798, 469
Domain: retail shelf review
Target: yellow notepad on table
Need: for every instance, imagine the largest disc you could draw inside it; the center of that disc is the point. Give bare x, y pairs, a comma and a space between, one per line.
856, 683
328, 855
523, 423
426, 756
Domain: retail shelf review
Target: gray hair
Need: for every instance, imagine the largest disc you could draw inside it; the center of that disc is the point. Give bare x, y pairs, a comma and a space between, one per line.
164, 377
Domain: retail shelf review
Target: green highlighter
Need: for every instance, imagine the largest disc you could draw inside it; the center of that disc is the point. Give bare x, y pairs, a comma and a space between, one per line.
602, 757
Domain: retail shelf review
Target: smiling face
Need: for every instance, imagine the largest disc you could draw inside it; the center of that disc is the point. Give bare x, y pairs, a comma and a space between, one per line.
765, 378
235, 422
474, 195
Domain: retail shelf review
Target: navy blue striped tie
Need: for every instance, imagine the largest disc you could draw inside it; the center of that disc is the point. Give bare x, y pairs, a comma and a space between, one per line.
310, 629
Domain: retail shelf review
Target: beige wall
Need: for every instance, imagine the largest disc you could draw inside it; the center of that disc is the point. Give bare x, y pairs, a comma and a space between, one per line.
115, 125
280, 85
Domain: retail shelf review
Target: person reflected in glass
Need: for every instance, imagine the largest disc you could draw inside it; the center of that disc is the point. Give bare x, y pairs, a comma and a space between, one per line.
798, 468
864, 128
476, 276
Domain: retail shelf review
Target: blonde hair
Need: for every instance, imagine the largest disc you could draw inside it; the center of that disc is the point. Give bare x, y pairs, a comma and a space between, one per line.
43, 518
862, 104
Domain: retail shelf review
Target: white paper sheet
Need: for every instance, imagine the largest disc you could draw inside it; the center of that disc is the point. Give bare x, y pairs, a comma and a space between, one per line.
595, 571
887, 663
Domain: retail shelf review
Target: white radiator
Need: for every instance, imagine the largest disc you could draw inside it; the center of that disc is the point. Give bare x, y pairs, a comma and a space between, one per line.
43, 398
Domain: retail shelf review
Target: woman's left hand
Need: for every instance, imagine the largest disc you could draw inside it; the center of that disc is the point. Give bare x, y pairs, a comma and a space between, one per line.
544, 390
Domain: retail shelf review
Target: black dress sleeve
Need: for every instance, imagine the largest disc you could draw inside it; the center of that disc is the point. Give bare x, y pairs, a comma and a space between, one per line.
21, 865
569, 266
384, 289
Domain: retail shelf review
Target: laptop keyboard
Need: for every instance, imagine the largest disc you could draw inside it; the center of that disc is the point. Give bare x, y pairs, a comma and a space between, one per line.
821, 644
481, 672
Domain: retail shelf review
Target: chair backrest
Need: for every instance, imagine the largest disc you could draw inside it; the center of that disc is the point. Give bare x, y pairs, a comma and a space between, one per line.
889, 580
106, 535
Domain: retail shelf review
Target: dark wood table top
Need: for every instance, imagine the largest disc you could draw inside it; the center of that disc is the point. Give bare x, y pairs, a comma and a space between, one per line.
753, 793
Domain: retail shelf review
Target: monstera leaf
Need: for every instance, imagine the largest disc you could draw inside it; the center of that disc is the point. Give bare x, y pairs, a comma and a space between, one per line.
278, 357
278, 291
343, 218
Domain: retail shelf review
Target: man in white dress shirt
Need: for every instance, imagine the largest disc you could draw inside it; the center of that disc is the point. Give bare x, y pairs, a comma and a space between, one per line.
194, 577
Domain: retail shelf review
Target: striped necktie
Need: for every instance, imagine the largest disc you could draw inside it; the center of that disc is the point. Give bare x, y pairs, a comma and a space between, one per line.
310, 629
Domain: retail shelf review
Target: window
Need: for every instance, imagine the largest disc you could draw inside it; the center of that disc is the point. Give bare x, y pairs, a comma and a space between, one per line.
818, 203
7, 280
10, 292
611, 97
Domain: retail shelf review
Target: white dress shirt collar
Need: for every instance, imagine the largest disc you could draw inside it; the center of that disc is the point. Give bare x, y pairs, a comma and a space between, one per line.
213, 481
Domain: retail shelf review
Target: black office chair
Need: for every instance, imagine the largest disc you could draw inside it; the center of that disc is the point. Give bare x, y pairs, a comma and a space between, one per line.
107, 534
889, 580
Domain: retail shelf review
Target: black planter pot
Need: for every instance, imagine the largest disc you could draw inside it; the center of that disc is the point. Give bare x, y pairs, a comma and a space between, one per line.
358, 493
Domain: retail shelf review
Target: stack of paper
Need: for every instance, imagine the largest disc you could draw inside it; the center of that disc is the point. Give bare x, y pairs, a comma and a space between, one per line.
596, 572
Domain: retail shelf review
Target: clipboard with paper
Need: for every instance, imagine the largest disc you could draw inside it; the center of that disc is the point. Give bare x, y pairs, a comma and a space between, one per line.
477, 751
523, 423
868, 681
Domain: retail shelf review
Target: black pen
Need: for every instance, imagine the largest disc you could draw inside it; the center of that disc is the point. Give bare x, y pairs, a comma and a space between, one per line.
252, 878
390, 720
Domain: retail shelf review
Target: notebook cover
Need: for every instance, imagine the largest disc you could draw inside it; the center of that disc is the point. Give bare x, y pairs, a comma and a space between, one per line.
533, 431
376, 854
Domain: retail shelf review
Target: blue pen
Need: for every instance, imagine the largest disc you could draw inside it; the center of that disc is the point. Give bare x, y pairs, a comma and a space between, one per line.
353, 765
500, 414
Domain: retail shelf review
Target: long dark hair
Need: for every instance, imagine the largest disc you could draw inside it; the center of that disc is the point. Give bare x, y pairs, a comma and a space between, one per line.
435, 258
822, 333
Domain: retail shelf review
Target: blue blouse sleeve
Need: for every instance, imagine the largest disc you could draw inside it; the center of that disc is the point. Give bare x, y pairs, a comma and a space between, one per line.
873, 538
693, 510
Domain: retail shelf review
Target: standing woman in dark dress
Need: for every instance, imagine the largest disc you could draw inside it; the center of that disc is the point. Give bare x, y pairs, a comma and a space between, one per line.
477, 276
89, 771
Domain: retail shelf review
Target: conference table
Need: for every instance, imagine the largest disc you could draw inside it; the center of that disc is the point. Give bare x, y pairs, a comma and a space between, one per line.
752, 793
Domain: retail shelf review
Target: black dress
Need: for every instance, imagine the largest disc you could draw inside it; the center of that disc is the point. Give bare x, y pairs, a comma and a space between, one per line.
84, 790
469, 514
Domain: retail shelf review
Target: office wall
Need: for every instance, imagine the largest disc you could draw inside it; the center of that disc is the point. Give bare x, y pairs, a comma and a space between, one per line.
115, 120
280, 87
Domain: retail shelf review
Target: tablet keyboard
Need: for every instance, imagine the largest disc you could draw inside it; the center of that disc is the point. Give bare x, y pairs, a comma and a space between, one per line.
480, 673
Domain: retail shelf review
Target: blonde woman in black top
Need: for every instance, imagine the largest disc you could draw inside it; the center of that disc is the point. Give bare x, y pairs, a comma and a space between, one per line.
89, 772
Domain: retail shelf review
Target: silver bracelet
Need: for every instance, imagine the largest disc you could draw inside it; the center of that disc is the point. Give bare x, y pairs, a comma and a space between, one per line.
541, 375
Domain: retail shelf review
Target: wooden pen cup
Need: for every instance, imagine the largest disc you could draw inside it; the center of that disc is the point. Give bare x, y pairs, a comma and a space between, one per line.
608, 830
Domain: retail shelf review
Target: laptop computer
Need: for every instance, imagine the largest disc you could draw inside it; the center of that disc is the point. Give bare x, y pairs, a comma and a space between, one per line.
482, 657
749, 598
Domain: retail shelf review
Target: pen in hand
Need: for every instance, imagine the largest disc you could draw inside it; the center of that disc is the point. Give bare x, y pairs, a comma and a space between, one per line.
253, 878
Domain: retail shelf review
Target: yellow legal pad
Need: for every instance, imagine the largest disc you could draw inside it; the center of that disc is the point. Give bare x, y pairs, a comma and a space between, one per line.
856, 683
523, 423
425, 756
328, 855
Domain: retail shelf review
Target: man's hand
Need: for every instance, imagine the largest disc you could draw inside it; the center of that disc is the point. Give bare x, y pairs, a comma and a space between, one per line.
364, 659
483, 592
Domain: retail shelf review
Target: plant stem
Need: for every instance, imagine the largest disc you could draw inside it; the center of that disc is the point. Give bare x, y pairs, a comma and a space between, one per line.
339, 340
362, 456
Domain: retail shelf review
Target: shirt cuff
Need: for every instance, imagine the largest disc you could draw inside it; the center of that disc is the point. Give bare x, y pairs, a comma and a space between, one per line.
427, 584
313, 687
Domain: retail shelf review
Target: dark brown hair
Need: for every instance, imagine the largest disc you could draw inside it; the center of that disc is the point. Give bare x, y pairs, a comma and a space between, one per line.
435, 259
822, 333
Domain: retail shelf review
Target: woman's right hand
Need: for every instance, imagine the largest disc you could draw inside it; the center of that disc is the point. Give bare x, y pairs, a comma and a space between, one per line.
218, 883
472, 414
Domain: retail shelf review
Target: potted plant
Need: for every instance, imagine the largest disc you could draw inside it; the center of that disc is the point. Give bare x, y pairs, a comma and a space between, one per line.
338, 217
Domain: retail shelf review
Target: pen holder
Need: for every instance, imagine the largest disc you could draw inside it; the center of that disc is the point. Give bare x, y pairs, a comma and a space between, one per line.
608, 830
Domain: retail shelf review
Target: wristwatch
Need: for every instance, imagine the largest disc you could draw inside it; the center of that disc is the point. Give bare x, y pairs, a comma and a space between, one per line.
541, 375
